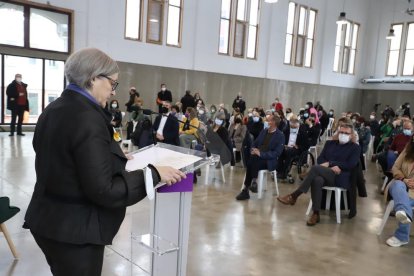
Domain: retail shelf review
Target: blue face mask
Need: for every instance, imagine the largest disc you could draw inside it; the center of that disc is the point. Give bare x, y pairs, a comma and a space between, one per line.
256, 119
294, 130
265, 125
306, 115
218, 122
407, 132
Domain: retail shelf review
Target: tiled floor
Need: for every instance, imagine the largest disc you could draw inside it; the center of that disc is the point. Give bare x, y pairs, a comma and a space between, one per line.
256, 237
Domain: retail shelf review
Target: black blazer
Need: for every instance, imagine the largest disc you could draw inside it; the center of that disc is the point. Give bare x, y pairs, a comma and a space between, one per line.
12, 96
302, 140
170, 131
82, 188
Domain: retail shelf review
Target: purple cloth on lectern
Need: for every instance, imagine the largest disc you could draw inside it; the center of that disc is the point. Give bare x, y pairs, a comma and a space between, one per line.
185, 185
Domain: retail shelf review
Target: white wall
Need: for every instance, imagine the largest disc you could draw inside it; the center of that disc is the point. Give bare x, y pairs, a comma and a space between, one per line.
100, 23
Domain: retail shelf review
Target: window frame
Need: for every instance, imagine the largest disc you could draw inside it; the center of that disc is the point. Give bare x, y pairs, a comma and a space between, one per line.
180, 26
141, 20
257, 26
160, 42
342, 58
399, 49
26, 33
295, 37
404, 38
229, 36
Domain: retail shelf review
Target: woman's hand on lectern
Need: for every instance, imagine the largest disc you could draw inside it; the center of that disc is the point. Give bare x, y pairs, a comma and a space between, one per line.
170, 175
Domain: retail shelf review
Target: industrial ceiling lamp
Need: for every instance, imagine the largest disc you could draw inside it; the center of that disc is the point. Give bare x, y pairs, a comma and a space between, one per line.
390, 34
342, 16
271, 1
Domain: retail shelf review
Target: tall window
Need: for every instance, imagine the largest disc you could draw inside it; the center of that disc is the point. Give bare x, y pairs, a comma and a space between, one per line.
225, 26
346, 48
155, 19
239, 35
300, 35
394, 50
174, 23
133, 19
45, 28
408, 68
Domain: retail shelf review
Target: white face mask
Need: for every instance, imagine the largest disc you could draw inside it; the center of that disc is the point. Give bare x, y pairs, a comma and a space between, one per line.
344, 138
114, 106
256, 119
218, 122
163, 89
19, 80
372, 117
201, 112
250, 114
306, 106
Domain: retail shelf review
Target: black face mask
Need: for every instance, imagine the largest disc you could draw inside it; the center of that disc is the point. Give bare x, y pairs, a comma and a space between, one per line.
164, 110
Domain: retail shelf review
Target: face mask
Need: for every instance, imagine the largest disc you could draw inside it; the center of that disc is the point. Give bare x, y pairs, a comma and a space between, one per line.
213, 111
164, 110
273, 110
265, 125
163, 89
372, 117
307, 106
201, 112
256, 119
353, 121
276, 101
294, 130
330, 113
187, 115
408, 106
218, 122
198, 108
344, 138
407, 132
250, 114
306, 115
19, 80
114, 106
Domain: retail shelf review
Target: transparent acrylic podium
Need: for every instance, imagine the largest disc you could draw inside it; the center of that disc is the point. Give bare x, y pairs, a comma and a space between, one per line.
167, 243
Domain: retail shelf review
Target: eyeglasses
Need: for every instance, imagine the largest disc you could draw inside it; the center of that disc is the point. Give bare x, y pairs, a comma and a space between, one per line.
114, 83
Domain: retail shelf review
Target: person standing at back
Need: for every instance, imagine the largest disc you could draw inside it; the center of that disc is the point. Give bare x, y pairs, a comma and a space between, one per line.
163, 95
17, 103
188, 100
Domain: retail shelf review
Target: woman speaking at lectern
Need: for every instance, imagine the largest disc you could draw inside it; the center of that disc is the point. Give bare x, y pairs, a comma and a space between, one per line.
82, 189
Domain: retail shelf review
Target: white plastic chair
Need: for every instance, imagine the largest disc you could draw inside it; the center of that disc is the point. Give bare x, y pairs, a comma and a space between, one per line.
384, 184
262, 182
328, 132
338, 192
315, 150
387, 213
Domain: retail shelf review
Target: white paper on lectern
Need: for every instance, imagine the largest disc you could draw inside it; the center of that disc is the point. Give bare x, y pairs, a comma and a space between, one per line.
158, 156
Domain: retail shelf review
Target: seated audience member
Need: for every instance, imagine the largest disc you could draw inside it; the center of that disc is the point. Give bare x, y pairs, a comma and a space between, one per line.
313, 130
264, 154
283, 122
255, 124
237, 132
387, 158
296, 142
386, 127
202, 114
116, 114
311, 110
364, 133
188, 129
176, 111
324, 120
402, 192
166, 126
218, 127
197, 100
338, 157
289, 113
346, 121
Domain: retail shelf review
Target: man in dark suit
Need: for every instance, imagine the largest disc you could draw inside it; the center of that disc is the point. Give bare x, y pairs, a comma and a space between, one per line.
296, 142
17, 103
239, 103
166, 126
163, 95
264, 154
335, 163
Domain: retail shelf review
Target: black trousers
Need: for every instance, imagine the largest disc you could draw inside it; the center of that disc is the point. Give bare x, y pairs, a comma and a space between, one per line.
317, 178
67, 259
286, 159
254, 165
18, 111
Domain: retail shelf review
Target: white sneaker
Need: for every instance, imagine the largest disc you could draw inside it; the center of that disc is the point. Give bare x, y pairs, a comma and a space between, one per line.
394, 242
402, 217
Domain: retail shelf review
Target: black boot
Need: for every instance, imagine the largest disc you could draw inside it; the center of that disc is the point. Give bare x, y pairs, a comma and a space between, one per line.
244, 194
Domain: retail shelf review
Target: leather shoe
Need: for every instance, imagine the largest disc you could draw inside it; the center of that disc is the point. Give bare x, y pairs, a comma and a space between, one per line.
21, 134
287, 199
313, 220
253, 187
244, 194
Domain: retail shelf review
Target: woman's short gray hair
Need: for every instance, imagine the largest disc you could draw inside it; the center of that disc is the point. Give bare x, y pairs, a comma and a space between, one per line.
84, 65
